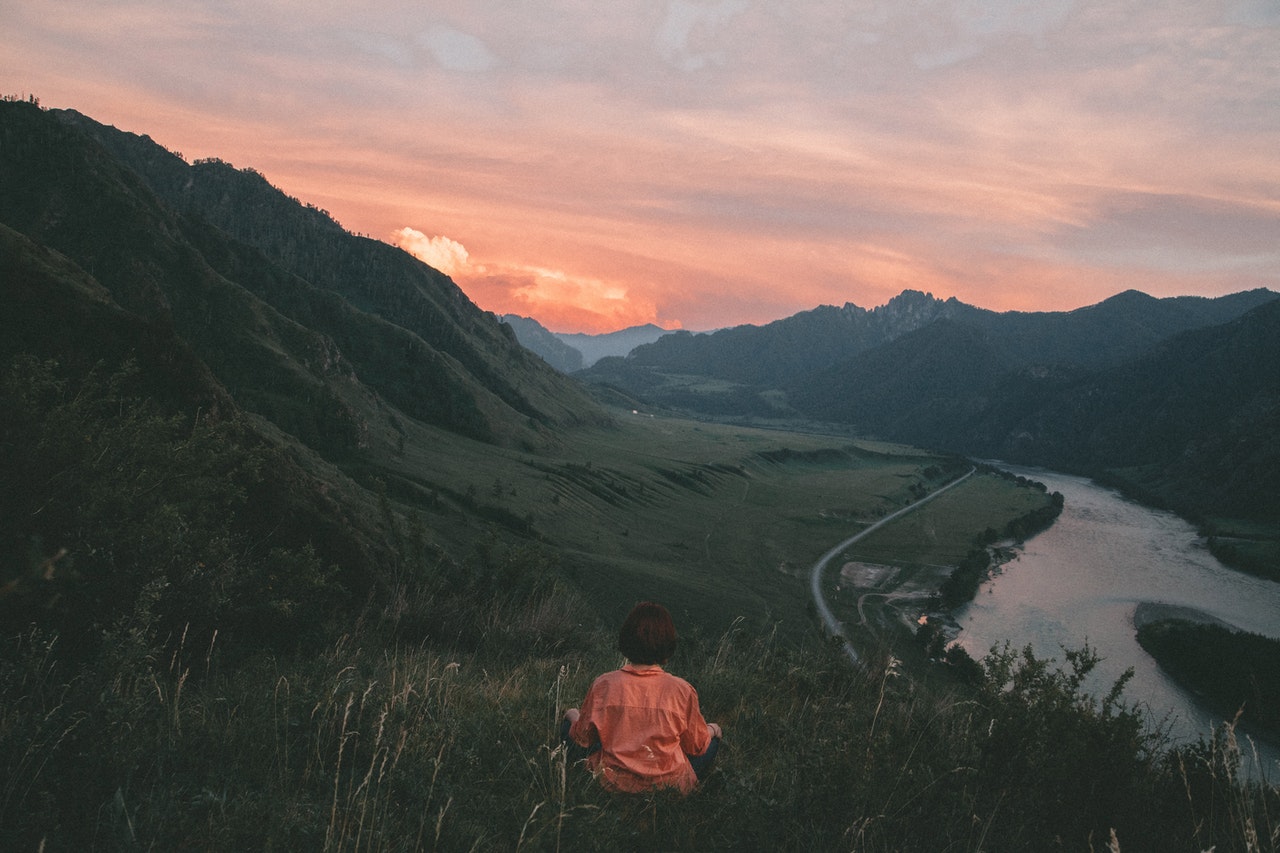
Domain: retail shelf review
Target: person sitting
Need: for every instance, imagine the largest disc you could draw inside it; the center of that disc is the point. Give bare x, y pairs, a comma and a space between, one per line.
640, 727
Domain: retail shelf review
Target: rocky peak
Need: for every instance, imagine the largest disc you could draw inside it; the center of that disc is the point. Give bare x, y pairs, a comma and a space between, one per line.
908, 311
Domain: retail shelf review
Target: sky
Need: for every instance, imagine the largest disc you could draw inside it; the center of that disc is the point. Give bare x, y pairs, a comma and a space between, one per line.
604, 164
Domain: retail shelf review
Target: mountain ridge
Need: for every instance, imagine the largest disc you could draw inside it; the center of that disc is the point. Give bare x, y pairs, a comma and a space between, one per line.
325, 333
569, 352
945, 375
779, 351
318, 274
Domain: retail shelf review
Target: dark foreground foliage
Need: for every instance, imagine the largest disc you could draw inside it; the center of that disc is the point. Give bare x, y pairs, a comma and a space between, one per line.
122, 518
378, 745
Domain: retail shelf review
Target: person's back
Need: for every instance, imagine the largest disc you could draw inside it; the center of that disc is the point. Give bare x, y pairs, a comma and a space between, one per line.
642, 725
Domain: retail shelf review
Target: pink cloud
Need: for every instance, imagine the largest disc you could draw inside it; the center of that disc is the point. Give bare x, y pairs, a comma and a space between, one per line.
721, 162
448, 256
557, 298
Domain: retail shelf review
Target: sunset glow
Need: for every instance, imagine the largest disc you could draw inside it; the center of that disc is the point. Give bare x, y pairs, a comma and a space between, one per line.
703, 164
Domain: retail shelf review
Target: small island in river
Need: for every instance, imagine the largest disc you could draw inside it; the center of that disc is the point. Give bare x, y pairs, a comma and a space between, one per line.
1231, 671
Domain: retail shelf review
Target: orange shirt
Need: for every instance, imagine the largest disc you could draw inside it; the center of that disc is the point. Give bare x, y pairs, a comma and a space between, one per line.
646, 721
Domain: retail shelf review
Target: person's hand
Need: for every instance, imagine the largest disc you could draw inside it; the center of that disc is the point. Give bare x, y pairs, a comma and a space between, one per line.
572, 715
714, 728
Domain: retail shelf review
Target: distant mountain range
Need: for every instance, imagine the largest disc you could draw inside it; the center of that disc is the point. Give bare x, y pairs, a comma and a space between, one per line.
1177, 399
569, 352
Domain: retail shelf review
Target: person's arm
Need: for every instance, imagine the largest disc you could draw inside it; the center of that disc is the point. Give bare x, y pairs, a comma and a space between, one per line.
582, 730
698, 732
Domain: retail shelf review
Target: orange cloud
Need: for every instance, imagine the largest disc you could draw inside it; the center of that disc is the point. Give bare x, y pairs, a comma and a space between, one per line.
560, 301
557, 299
448, 256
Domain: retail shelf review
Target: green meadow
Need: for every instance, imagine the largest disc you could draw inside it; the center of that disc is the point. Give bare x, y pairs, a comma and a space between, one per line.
722, 522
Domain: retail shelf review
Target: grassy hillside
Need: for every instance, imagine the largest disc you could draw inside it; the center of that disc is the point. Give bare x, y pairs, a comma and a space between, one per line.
420, 715
370, 743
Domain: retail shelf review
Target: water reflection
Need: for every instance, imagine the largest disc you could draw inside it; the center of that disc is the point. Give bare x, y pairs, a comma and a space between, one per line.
1082, 580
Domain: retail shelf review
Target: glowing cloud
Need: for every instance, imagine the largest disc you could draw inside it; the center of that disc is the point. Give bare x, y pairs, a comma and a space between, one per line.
559, 300
448, 256
544, 290
556, 298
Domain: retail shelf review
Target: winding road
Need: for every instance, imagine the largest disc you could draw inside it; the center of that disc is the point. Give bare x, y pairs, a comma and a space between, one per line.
829, 622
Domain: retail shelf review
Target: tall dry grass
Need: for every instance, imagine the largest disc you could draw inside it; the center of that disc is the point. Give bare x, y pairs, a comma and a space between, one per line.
375, 744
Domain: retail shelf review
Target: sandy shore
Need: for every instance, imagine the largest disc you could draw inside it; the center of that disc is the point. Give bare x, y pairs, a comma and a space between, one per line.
1154, 611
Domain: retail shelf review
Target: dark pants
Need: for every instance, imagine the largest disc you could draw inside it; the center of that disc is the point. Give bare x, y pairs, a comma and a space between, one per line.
701, 764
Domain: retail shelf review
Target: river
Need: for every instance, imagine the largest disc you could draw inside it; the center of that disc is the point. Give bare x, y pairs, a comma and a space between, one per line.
1082, 580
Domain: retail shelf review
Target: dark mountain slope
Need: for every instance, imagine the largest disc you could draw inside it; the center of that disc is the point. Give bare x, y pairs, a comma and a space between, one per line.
801, 353
913, 388
372, 276
1127, 388
536, 338
53, 309
128, 467
1195, 421
65, 192
1111, 332
776, 353
302, 355
191, 426
1191, 423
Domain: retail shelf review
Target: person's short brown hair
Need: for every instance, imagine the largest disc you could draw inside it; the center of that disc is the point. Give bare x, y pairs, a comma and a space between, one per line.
648, 635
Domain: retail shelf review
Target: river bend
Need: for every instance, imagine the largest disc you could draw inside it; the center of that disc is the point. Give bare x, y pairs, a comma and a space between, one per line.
1083, 579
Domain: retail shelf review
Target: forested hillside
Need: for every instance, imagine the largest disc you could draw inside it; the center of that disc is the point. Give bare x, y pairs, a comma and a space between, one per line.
767, 356
783, 353
136, 489
298, 363
534, 337
399, 324
1175, 398
1190, 423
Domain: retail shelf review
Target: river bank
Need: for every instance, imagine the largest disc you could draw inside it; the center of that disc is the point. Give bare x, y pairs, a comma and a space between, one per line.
1154, 611
1236, 674
1106, 566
